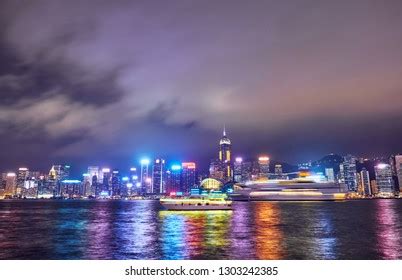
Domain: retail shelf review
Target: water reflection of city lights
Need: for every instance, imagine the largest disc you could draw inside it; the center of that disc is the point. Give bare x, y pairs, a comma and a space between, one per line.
268, 235
387, 228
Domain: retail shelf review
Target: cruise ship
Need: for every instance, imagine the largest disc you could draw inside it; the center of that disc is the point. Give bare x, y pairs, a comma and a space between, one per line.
299, 189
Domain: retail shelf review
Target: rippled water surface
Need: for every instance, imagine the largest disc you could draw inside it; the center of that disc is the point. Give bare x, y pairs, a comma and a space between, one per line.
253, 230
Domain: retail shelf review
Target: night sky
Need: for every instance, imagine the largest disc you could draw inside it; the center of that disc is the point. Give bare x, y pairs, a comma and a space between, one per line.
106, 82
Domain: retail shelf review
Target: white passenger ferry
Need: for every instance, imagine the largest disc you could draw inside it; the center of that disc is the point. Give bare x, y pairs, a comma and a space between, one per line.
211, 201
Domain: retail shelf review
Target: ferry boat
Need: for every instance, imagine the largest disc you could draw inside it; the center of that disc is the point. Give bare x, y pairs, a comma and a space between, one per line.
289, 190
211, 201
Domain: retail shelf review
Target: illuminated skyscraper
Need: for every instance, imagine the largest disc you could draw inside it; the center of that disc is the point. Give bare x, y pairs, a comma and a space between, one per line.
57, 174
105, 189
133, 175
279, 171
225, 150
145, 178
22, 176
188, 176
88, 189
158, 172
71, 189
11, 184
134, 182
93, 171
349, 172
115, 184
173, 179
246, 171
3, 182
263, 166
215, 170
396, 162
330, 174
60, 172
255, 170
383, 176
237, 169
364, 181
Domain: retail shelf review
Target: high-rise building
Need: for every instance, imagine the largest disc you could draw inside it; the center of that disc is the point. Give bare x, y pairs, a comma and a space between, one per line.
105, 189
45, 187
3, 182
397, 164
237, 169
88, 189
225, 150
255, 170
216, 171
173, 179
115, 184
247, 171
279, 172
22, 176
263, 166
60, 172
158, 176
71, 189
133, 175
93, 171
349, 172
364, 182
11, 184
188, 176
374, 189
145, 178
383, 176
57, 174
133, 185
330, 174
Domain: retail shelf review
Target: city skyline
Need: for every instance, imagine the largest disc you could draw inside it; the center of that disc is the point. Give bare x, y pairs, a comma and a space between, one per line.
108, 83
357, 177
203, 166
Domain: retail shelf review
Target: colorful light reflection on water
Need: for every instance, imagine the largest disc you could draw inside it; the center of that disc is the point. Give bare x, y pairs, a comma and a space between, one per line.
252, 230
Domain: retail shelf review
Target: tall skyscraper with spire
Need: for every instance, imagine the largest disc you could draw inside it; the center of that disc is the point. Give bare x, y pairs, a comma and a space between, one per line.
225, 150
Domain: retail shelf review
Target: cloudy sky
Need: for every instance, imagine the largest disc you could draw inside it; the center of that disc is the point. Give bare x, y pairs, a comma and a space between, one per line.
105, 82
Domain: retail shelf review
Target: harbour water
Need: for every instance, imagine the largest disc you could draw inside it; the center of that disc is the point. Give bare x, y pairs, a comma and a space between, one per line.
79, 229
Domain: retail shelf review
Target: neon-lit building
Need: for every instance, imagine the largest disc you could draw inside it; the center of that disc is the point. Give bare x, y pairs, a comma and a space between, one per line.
215, 170
104, 189
145, 178
225, 150
364, 182
94, 174
57, 174
188, 176
88, 189
158, 176
71, 189
279, 172
246, 171
237, 169
173, 179
211, 184
348, 172
396, 162
383, 176
11, 184
330, 174
263, 166
22, 176
115, 183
